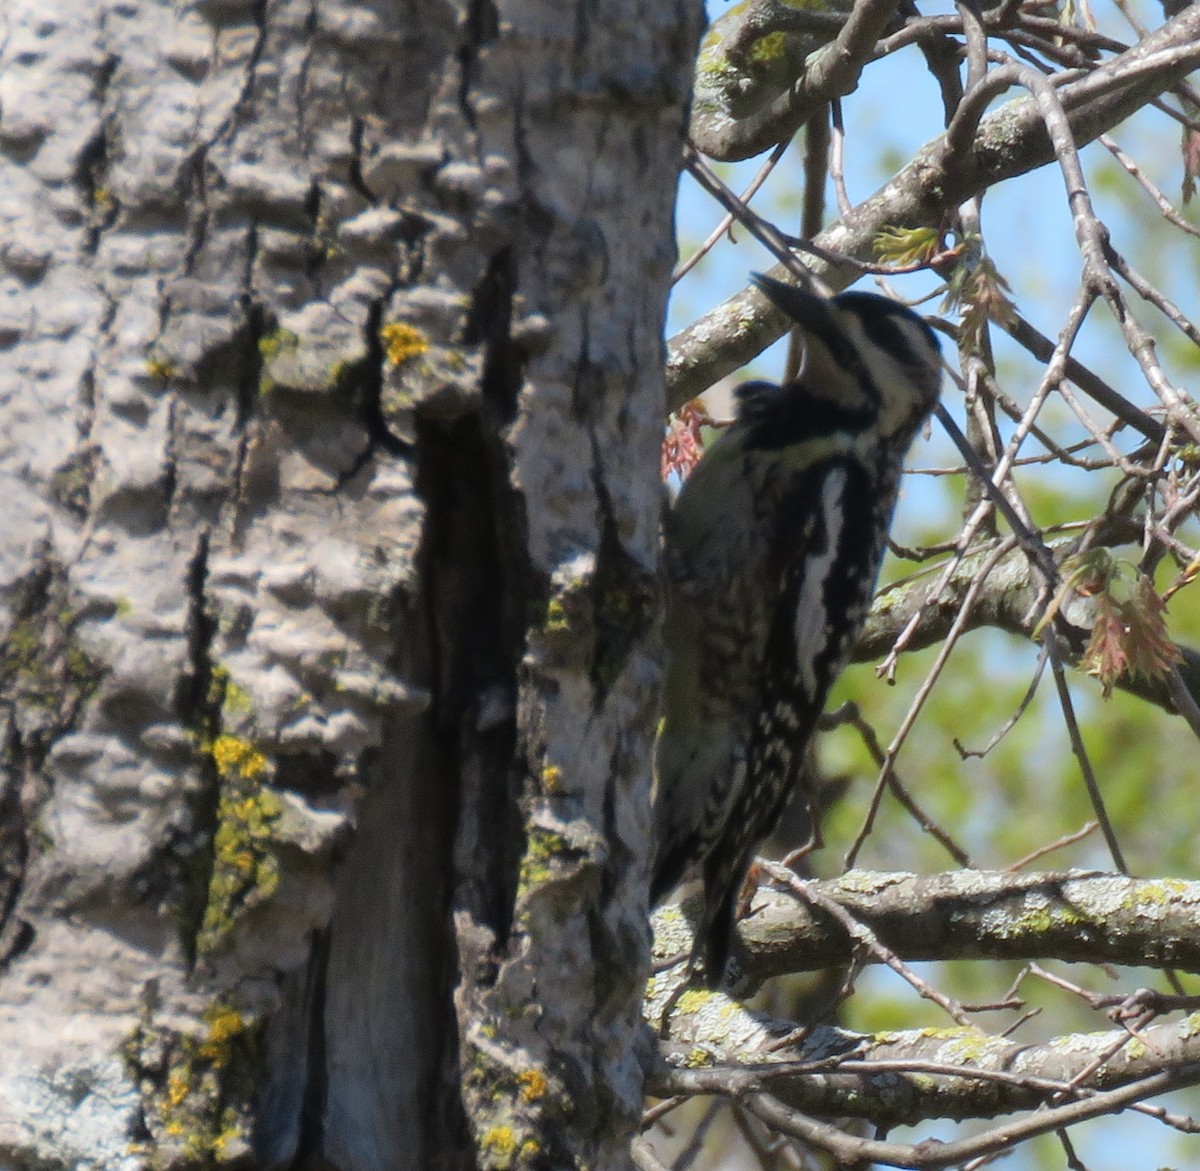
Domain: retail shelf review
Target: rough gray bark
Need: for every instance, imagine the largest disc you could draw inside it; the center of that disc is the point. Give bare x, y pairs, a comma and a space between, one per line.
332, 400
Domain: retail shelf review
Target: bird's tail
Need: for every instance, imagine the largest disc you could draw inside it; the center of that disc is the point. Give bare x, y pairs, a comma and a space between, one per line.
723, 878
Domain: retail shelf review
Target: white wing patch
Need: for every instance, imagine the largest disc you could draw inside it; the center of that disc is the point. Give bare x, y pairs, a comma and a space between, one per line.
811, 621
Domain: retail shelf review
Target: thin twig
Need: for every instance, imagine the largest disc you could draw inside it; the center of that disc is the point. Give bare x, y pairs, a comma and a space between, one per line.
727, 220
931, 1155
957, 627
1086, 830
1144, 181
1011, 722
850, 713
1080, 751
837, 155
762, 230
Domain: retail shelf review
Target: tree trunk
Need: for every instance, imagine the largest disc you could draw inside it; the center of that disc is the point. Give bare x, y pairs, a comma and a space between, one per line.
332, 406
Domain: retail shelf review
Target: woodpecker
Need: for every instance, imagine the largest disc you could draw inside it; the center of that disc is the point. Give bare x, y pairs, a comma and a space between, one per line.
772, 548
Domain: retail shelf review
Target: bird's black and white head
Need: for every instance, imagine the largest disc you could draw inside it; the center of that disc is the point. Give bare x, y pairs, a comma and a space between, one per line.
864, 353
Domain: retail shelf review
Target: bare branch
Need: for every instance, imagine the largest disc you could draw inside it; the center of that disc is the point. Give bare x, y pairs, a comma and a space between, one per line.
902, 1076
934, 1154
1008, 143
974, 914
788, 62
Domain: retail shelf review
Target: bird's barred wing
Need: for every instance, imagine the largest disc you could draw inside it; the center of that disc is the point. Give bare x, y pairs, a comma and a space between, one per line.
717, 623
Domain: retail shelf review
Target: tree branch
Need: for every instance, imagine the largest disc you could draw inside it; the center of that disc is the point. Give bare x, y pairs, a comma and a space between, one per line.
1008, 143
959, 1072
932, 1153
1004, 602
766, 68
978, 914
898, 1078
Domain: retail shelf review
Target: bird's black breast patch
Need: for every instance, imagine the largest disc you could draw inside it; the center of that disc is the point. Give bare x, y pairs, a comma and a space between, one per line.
781, 416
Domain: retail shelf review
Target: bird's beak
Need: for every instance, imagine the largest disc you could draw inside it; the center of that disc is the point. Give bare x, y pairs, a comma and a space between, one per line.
805, 309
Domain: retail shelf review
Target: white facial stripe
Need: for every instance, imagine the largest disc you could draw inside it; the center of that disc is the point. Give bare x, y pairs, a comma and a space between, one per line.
918, 342
902, 388
811, 622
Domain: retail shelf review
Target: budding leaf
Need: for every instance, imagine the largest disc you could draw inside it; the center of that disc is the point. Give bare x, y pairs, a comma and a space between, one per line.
683, 444
1129, 637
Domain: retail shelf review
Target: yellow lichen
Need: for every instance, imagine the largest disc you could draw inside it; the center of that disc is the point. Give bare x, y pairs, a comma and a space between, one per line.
1040, 919
556, 616
178, 1081
542, 846
552, 778
233, 755
1159, 892
274, 345
196, 1089
499, 1140
533, 1084
161, 367
224, 1024
402, 342
220, 1142
224, 693
41, 662
245, 870
966, 1046
770, 47
693, 1000
278, 342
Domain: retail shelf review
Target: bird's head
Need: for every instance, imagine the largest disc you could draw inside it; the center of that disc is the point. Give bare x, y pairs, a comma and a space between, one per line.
864, 352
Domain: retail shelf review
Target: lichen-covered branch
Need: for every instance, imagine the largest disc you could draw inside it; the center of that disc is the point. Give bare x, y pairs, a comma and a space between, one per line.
711, 1043
766, 67
1075, 916
980, 914
898, 1078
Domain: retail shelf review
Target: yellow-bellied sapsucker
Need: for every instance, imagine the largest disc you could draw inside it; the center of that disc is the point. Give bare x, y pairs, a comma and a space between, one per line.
773, 547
